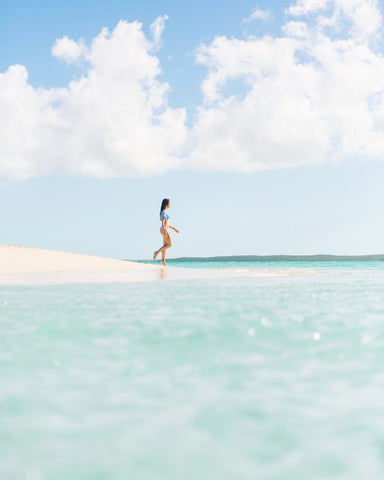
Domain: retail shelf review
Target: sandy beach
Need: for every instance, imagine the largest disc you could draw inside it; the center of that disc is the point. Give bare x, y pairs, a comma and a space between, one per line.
16, 259
34, 266
26, 265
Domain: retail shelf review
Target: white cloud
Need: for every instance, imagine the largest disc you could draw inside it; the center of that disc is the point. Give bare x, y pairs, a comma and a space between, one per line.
27, 123
114, 121
296, 29
157, 28
313, 95
258, 14
67, 49
364, 15
304, 7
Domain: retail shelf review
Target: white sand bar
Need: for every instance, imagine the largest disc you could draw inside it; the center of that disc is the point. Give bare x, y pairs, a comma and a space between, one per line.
14, 259
24, 265
34, 266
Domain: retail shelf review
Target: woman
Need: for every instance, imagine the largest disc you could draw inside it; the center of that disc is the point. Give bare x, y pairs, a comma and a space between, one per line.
164, 218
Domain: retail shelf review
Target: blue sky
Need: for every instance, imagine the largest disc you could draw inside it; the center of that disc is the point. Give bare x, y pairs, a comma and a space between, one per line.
265, 132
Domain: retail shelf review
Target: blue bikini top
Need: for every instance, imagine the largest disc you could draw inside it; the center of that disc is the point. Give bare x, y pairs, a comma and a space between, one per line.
164, 214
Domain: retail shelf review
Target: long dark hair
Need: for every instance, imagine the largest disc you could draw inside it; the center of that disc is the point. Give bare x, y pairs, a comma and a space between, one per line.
164, 204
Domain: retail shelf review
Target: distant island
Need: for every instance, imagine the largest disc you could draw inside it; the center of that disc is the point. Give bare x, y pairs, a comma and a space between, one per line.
282, 258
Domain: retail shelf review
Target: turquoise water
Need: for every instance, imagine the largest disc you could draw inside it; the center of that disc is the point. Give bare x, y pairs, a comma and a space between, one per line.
276, 377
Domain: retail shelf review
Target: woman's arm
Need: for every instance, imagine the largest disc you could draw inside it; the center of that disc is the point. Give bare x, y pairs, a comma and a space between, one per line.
173, 228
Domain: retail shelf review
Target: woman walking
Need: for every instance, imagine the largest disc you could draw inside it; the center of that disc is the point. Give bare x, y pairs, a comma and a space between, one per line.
164, 218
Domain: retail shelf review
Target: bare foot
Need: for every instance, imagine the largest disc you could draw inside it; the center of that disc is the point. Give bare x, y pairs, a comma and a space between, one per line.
154, 256
163, 262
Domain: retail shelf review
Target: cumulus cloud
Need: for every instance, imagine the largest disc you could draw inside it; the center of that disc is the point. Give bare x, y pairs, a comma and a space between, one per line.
258, 14
296, 29
68, 50
114, 121
157, 28
364, 15
312, 95
303, 7
27, 122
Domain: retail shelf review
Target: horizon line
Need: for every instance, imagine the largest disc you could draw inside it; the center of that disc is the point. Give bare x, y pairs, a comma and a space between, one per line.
280, 257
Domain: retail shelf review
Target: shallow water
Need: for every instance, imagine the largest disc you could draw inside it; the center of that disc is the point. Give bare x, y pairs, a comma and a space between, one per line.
276, 377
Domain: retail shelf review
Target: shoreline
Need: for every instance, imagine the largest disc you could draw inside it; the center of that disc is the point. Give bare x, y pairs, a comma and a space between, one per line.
279, 258
34, 266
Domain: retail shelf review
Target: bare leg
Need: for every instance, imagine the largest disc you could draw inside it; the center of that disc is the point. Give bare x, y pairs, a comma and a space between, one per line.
167, 244
164, 247
156, 253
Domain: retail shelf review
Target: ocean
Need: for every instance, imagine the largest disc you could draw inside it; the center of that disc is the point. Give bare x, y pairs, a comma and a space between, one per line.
256, 377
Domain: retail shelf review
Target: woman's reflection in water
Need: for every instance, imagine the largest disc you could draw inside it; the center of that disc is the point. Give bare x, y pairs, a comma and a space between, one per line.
163, 274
